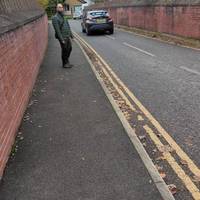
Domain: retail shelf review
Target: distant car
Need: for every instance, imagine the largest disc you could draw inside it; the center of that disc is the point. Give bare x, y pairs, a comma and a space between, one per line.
97, 20
77, 15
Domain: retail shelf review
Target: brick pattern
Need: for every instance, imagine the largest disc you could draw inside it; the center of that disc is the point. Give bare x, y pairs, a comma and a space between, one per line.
122, 3
21, 53
16, 5
177, 20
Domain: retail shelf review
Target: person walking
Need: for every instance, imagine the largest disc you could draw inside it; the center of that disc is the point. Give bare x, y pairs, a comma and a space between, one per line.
63, 34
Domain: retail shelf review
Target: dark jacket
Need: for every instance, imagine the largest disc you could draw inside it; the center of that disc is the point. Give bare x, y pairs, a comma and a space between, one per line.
61, 26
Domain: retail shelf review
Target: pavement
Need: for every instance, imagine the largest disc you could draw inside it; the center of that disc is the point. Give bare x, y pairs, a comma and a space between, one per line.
72, 145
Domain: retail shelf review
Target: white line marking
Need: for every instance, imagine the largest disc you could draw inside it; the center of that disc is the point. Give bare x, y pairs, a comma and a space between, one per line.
145, 52
190, 70
112, 38
159, 182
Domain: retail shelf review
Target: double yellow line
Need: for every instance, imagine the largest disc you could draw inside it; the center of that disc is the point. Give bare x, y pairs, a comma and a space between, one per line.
124, 92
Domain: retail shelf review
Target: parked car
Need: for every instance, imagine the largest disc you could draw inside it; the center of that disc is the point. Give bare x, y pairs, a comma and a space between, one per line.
97, 20
77, 15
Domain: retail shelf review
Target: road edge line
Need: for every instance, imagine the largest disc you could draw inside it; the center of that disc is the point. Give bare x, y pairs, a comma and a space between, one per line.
157, 179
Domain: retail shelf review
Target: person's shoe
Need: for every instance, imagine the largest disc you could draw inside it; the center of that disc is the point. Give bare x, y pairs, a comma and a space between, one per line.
67, 65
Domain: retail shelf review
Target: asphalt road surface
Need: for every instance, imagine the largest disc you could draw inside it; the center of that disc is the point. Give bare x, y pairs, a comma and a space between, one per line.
164, 77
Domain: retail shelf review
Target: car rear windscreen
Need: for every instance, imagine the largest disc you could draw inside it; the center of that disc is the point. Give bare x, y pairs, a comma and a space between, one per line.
98, 13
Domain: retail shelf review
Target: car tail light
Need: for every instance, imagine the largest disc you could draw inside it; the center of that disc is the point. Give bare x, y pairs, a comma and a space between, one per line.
89, 20
110, 19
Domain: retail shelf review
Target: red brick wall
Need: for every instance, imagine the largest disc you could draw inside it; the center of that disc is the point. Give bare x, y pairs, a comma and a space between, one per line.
177, 20
21, 53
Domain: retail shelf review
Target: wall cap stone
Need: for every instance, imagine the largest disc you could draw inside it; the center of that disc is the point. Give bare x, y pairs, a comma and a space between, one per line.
16, 13
12, 21
138, 3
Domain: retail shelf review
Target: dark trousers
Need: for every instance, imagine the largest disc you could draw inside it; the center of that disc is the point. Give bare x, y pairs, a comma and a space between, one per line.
66, 50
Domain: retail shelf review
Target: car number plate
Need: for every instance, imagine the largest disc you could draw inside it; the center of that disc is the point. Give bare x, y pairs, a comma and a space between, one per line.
99, 21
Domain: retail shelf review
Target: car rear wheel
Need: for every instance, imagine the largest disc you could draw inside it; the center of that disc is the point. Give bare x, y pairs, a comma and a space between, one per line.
111, 31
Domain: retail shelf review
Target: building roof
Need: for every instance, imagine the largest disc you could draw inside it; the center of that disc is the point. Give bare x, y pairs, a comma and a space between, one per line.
83, 1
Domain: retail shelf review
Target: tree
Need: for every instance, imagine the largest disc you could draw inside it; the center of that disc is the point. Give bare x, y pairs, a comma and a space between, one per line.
51, 7
43, 3
55, 2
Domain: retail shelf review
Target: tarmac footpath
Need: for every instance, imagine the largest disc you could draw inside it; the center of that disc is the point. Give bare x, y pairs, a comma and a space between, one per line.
74, 146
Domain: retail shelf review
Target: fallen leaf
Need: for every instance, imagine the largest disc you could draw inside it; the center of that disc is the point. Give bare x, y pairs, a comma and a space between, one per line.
144, 144
183, 162
196, 179
160, 158
83, 158
163, 175
159, 168
189, 141
21, 138
142, 137
26, 118
154, 150
165, 149
43, 90
172, 188
140, 118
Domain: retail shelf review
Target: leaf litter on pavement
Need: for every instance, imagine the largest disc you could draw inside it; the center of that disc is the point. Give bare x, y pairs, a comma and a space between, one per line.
161, 171
196, 179
172, 188
183, 162
166, 149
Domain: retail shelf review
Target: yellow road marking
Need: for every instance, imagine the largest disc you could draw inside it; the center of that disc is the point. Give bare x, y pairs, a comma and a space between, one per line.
177, 169
159, 182
191, 165
167, 156
118, 90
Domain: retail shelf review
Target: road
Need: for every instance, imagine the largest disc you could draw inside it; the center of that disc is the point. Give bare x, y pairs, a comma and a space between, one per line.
65, 152
164, 77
